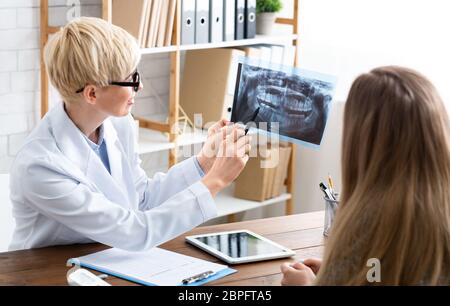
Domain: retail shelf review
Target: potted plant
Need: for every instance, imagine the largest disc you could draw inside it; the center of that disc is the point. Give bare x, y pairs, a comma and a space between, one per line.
266, 15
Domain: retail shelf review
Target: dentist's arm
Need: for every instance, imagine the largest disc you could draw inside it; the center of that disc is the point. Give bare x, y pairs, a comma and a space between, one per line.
155, 191
49, 191
46, 188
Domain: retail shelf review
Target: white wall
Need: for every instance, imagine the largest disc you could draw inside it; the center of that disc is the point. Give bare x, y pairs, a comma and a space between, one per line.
348, 37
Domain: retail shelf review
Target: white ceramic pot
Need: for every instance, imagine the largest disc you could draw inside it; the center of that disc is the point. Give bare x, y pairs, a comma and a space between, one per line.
265, 22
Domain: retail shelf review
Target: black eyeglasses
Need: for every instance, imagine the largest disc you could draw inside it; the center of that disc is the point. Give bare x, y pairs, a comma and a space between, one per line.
135, 83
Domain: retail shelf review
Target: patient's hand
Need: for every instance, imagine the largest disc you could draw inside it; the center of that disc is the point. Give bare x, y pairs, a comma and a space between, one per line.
300, 274
314, 264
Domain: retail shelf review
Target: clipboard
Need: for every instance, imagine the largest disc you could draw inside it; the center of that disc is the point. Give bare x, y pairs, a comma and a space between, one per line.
156, 267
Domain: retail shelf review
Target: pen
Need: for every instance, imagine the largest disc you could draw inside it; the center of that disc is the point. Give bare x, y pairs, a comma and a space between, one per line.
255, 114
197, 277
327, 192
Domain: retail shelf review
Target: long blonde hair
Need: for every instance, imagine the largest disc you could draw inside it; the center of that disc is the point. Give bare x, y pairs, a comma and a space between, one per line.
395, 204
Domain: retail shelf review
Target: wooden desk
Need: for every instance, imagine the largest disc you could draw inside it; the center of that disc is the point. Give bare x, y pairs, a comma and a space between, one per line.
302, 233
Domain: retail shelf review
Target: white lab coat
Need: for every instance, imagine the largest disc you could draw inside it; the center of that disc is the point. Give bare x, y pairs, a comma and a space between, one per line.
62, 193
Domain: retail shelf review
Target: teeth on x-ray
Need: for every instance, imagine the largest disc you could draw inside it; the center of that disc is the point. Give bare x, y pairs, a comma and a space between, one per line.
298, 104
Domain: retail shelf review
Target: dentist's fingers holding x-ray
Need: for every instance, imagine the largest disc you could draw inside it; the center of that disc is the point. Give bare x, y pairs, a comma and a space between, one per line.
216, 134
230, 161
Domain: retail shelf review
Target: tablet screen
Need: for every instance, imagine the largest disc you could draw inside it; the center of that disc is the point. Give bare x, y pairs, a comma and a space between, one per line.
237, 245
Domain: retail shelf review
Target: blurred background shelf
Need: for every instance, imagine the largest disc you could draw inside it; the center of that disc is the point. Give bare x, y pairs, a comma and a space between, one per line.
227, 204
153, 141
258, 40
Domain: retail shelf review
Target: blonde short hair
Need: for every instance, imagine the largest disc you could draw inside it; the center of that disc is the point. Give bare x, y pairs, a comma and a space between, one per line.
89, 51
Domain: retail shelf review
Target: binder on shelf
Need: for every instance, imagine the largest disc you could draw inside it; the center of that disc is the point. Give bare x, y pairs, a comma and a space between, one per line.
130, 15
170, 22
240, 20
257, 183
216, 20
188, 22
273, 155
229, 12
281, 171
206, 79
252, 183
202, 22
250, 19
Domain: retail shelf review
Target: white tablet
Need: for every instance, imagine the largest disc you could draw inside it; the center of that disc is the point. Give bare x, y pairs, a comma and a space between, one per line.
240, 246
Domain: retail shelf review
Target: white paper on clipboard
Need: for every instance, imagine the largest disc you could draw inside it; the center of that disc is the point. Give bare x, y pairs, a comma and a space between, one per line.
156, 267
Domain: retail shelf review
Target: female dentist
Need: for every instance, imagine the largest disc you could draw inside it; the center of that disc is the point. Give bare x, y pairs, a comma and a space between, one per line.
78, 179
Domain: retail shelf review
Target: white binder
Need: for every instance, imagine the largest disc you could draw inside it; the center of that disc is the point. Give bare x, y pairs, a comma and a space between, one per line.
188, 22
229, 12
202, 22
215, 21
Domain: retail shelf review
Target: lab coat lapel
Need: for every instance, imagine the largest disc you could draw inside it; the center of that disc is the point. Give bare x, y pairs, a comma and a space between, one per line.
120, 169
85, 163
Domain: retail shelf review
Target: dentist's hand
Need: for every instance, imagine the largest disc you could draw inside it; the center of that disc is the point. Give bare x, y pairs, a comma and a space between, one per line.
232, 156
208, 154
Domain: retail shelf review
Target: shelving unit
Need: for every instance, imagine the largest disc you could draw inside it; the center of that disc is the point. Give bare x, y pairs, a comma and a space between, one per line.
155, 136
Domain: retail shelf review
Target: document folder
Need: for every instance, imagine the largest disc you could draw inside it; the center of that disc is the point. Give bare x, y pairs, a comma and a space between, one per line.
156, 267
229, 12
187, 22
240, 20
202, 22
216, 21
250, 18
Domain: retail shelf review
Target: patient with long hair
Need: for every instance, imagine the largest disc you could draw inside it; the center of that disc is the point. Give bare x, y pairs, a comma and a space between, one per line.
395, 203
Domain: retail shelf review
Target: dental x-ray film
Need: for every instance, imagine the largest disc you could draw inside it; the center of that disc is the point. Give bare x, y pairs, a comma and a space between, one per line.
291, 102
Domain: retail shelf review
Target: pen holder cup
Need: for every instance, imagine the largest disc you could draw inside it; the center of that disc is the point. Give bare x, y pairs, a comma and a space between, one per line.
331, 207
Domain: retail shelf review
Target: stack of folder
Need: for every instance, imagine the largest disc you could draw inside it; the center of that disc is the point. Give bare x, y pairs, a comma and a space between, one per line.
263, 177
150, 21
202, 21
210, 21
